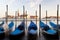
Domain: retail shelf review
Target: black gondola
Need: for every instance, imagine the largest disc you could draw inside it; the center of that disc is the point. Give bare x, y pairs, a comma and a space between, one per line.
18, 32
32, 28
32, 31
48, 32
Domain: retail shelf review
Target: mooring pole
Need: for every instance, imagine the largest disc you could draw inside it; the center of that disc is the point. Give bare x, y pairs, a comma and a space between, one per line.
36, 17
37, 26
23, 12
24, 19
24, 15
6, 26
15, 19
40, 30
6, 13
26, 22
46, 16
36, 23
57, 21
57, 15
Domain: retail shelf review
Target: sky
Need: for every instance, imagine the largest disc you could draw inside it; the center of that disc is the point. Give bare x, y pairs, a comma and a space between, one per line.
30, 5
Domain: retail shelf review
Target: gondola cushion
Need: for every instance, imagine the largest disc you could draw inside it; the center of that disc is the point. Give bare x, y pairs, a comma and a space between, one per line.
11, 25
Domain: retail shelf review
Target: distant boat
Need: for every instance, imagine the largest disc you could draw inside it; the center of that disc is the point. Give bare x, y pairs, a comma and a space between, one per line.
54, 26
2, 33
48, 32
18, 32
32, 29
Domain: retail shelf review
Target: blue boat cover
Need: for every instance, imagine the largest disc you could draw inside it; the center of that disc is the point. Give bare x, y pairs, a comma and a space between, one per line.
43, 25
22, 25
16, 32
32, 26
53, 25
11, 24
2, 23
51, 32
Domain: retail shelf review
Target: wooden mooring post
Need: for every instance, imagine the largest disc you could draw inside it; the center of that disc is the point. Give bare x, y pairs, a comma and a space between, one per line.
6, 24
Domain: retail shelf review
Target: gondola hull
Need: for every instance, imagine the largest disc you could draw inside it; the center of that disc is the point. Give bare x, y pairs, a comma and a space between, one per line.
2, 35
32, 36
49, 36
17, 37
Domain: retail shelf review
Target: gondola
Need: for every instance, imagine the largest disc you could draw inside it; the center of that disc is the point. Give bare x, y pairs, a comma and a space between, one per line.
48, 32
54, 26
18, 32
32, 30
7, 27
2, 33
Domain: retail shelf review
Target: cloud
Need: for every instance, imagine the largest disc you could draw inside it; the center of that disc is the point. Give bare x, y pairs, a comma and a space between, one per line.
10, 2
34, 3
